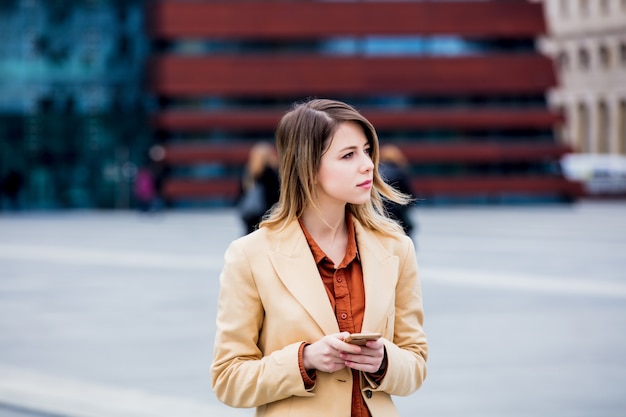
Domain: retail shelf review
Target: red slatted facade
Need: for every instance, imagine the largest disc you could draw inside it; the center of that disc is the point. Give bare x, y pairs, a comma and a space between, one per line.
251, 88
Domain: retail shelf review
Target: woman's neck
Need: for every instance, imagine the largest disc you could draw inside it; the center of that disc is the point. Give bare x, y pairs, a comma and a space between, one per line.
326, 228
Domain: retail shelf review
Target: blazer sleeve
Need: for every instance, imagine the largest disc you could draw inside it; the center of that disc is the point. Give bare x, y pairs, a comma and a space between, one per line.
241, 375
408, 351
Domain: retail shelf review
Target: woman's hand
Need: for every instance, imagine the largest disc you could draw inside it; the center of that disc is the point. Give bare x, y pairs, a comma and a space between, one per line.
369, 359
325, 354
331, 353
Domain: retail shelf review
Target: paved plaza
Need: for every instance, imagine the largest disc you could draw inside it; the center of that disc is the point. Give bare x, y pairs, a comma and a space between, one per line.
112, 314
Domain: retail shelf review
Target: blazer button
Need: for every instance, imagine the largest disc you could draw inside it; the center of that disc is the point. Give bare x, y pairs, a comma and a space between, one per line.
368, 393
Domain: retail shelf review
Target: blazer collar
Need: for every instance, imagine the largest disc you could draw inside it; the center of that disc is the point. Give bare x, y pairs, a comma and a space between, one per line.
296, 268
380, 272
291, 256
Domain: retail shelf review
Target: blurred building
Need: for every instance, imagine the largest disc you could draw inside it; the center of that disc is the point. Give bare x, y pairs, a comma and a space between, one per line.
587, 39
459, 86
72, 102
89, 87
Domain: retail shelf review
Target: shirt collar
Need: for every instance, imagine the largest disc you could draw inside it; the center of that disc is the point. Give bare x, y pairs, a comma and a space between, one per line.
351, 252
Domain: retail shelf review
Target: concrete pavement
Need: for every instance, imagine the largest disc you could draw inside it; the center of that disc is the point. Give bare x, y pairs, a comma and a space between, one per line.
106, 314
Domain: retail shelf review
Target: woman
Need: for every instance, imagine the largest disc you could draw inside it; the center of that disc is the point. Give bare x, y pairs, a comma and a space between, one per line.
259, 185
392, 168
324, 264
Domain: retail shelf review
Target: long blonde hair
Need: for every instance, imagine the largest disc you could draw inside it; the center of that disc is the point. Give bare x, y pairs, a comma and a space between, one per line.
302, 136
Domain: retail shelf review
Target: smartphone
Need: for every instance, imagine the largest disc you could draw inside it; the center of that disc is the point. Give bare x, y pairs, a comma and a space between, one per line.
361, 338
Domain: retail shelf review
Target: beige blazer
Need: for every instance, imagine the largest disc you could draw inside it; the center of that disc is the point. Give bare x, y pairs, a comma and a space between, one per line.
272, 299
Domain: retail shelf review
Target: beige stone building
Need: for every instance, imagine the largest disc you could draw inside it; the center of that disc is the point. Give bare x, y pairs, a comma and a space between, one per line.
587, 39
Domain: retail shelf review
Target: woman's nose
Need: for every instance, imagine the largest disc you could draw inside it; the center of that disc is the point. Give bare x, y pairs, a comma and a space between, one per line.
368, 164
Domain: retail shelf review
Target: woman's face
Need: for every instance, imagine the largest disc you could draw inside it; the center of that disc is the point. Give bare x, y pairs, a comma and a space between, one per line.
346, 168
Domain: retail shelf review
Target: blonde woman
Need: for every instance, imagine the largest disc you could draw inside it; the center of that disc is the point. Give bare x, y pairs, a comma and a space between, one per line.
259, 185
326, 263
393, 169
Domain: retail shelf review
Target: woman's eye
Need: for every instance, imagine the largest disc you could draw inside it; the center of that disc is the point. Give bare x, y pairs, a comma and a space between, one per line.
348, 155
368, 151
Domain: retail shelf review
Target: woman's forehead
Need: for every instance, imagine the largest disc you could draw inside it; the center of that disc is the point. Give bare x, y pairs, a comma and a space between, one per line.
348, 132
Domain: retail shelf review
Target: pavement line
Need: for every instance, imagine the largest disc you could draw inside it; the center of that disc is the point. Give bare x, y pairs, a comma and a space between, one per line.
106, 257
537, 283
457, 276
35, 391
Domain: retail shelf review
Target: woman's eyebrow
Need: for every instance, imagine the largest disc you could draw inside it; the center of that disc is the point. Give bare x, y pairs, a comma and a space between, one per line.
354, 147
348, 148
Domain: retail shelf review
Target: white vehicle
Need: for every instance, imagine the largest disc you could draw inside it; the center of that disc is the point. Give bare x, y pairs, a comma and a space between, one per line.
600, 174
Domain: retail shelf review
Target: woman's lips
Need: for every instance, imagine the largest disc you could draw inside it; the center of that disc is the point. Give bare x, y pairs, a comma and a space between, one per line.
366, 184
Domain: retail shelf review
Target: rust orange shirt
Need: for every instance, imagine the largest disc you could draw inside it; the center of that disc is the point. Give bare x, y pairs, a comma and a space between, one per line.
344, 286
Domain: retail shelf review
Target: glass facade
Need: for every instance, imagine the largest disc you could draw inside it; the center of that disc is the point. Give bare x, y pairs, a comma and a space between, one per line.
72, 105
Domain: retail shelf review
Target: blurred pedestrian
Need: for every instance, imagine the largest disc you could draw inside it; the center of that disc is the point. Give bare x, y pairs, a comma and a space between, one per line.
145, 190
259, 185
11, 186
324, 264
393, 168
160, 171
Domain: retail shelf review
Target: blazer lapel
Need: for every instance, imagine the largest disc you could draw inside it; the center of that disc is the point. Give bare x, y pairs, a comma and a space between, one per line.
380, 271
296, 268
